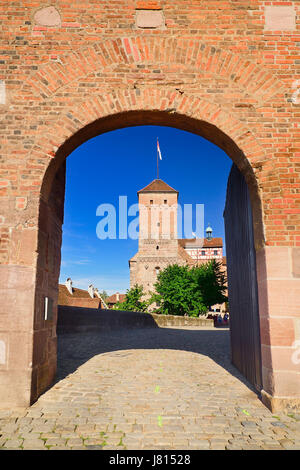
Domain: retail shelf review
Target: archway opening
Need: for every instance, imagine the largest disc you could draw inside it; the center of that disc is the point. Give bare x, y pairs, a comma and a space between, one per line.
163, 118
53, 192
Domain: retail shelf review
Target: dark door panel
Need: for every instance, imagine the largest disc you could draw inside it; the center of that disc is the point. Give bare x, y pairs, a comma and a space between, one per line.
242, 280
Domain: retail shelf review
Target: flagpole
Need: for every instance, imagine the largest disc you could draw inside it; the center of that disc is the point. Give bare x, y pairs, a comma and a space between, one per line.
157, 158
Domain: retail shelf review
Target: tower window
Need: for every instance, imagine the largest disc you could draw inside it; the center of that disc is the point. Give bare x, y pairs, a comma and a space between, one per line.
151, 201
165, 201
157, 247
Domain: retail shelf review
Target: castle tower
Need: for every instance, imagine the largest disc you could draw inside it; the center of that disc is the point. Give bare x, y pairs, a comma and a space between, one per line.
158, 244
158, 218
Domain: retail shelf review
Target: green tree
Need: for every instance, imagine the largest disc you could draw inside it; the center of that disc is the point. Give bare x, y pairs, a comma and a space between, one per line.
133, 300
104, 295
181, 290
211, 281
177, 293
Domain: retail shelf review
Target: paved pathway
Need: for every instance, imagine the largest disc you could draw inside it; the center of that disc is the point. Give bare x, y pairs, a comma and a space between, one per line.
164, 388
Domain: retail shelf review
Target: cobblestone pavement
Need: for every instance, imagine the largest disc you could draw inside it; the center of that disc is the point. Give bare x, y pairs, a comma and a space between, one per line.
155, 388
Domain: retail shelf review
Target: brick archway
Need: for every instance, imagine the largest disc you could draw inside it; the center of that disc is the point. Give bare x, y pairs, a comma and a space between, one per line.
193, 115
188, 113
178, 56
154, 107
68, 87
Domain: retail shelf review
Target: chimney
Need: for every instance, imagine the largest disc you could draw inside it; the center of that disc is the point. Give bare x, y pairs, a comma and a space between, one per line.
91, 290
97, 293
68, 285
117, 296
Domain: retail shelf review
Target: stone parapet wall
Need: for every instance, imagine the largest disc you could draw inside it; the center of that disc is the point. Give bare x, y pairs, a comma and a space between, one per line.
81, 320
176, 320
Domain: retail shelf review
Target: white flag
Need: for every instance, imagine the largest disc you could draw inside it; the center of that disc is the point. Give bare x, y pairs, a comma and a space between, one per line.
158, 149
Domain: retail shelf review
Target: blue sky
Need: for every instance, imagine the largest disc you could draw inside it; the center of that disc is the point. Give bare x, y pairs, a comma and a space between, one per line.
120, 163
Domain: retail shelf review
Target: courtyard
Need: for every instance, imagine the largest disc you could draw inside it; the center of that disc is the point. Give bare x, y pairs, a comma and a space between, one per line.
148, 388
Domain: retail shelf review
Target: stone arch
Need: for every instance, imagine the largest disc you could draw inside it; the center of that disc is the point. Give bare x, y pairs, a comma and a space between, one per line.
60, 135
154, 107
251, 78
118, 110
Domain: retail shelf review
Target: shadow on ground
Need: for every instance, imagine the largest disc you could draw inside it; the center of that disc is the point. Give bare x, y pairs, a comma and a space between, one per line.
77, 348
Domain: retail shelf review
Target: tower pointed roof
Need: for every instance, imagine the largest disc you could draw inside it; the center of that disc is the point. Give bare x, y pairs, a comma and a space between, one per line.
158, 186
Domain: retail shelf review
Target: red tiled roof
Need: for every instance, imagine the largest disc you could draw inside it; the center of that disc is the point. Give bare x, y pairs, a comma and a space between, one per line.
78, 295
158, 186
113, 299
200, 242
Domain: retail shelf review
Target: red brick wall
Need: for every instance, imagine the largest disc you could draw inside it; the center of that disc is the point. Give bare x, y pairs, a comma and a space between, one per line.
215, 68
